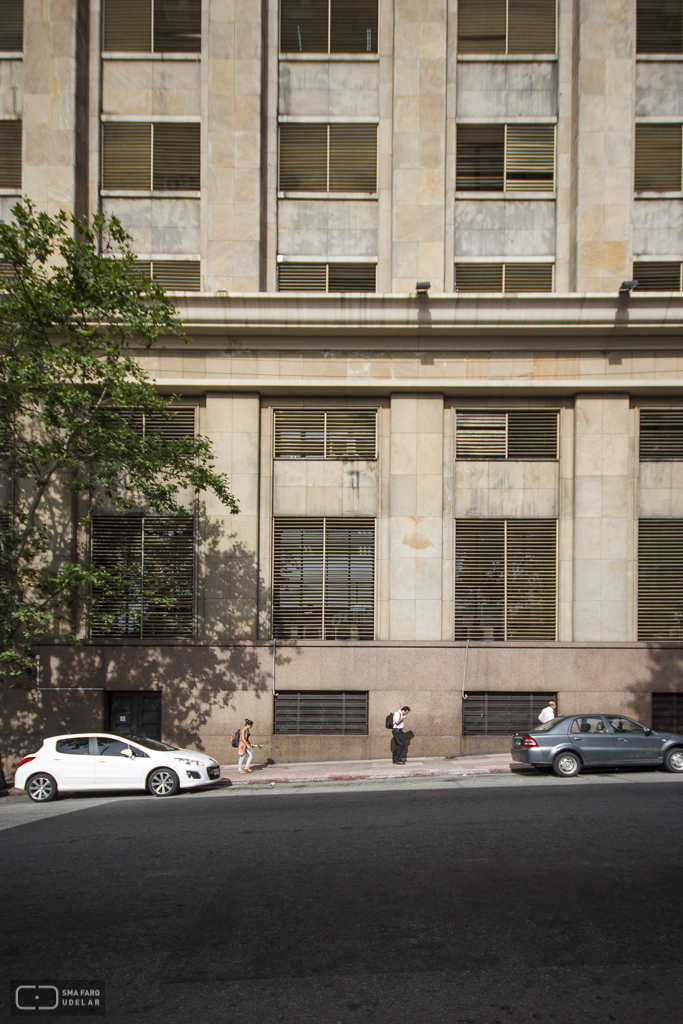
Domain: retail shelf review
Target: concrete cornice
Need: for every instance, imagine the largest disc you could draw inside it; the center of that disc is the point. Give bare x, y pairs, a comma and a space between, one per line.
381, 315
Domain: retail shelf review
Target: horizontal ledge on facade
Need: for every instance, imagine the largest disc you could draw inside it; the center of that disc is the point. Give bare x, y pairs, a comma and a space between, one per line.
367, 260
118, 193
660, 57
151, 118
157, 55
329, 196
362, 644
11, 54
325, 58
509, 119
505, 195
658, 195
10, 192
506, 58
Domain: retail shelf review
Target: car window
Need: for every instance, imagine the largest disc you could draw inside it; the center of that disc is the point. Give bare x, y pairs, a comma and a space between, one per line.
111, 747
588, 724
138, 752
145, 741
620, 724
552, 724
74, 745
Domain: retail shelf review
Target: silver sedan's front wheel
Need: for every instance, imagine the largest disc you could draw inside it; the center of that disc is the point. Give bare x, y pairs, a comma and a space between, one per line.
673, 760
566, 764
41, 788
162, 782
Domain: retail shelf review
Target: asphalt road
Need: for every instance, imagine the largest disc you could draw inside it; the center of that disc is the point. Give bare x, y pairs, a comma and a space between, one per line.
469, 902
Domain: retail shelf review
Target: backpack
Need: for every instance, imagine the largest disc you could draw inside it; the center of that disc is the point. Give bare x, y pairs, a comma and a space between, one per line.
235, 738
389, 721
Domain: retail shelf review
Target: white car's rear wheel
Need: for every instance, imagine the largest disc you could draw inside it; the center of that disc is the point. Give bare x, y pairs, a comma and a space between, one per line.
41, 788
162, 782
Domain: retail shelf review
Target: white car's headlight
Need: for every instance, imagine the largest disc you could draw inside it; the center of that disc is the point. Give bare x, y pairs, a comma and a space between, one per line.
188, 760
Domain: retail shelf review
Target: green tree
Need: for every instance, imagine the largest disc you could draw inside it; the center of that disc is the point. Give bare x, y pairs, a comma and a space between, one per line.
74, 308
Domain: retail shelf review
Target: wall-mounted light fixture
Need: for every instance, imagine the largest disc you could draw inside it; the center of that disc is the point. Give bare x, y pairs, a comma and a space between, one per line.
422, 287
626, 287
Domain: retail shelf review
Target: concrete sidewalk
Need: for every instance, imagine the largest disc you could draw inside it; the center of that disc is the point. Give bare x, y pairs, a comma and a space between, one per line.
352, 771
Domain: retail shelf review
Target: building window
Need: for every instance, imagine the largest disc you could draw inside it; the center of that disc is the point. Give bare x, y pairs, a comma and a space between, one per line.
658, 158
326, 277
491, 713
657, 275
12, 25
328, 158
304, 712
505, 579
146, 26
324, 579
325, 434
661, 435
162, 157
505, 158
174, 275
503, 277
667, 712
328, 26
10, 154
515, 26
659, 26
157, 597
523, 434
660, 579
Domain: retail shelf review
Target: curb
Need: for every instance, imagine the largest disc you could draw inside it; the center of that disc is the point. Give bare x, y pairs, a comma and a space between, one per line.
379, 776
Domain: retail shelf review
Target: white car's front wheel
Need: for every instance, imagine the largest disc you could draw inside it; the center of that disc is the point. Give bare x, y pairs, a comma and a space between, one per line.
162, 782
41, 788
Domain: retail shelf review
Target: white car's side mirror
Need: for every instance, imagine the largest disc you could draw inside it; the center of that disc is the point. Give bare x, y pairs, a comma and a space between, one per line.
127, 752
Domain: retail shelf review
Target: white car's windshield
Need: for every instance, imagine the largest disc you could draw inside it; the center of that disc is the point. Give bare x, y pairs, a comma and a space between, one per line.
144, 741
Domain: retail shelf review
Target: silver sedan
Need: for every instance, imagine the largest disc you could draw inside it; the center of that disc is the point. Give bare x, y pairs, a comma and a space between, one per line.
566, 745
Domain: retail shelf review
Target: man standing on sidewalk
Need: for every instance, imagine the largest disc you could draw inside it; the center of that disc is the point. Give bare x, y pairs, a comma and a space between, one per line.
399, 756
548, 713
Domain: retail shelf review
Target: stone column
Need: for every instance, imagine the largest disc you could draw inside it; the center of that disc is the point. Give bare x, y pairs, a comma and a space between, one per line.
604, 63
415, 517
419, 149
604, 518
229, 559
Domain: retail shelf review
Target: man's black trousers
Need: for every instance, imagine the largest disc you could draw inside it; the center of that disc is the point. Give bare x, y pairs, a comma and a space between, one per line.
399, 746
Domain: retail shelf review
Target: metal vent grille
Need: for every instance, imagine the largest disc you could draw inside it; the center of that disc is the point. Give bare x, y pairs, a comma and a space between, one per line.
658, 158
180, 425
328, 26
503, 277
126, 155
157, 554
329, 434
659, 26
480, 158
12, 25
324, 578
176, 149
529, 158
328, 158
506, 579
523, 434
486, 713
178, 26
301, 713
657, 276
530, 26
10, 154
660, 579
667, 712
321, 277
661, 435
177, 275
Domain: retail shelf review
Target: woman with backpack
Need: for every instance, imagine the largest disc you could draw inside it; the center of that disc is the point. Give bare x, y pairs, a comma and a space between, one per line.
244, 746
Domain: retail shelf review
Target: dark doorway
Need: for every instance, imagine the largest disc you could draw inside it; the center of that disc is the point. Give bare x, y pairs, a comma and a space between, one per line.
667, 712
135, 713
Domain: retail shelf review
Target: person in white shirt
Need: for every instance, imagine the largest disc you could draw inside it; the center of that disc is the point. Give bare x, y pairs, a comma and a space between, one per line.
548, 713
399, 756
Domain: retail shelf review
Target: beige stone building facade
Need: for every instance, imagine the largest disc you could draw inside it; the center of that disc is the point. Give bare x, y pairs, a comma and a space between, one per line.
465, 495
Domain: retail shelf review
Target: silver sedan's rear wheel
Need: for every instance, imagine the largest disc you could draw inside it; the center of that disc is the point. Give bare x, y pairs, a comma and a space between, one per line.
41, 788
162, 782
566, 764
673, 760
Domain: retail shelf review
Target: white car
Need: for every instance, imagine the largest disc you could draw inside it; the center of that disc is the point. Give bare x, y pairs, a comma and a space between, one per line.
101, 760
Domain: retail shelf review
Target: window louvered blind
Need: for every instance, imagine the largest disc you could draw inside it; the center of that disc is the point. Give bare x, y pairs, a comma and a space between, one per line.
529, 158
328, 158
661, 435
127, 149
480, 157
321, 277
176, 149
660, 579
522, 434
328, 26
6, 270
490, 713
667, 712
506, 572
175, 275
530, 26
131, 25
12, 25
657, 275
157, 555
503, 277
324, 578
10, 154
659, 26
330, 434
305, 712
658, 158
